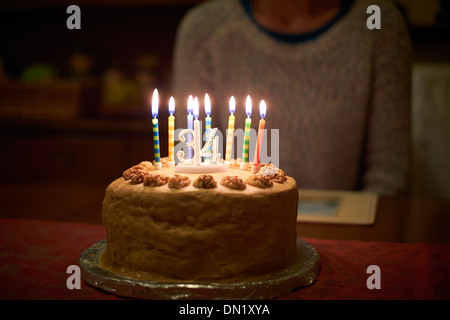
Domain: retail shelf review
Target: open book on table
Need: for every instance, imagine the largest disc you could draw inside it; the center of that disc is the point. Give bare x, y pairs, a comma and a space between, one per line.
343, 207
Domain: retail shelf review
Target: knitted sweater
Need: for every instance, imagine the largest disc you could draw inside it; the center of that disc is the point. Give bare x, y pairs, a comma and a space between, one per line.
341, 101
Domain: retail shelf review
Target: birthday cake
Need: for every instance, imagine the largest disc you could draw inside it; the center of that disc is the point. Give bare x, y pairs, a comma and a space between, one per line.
161, 224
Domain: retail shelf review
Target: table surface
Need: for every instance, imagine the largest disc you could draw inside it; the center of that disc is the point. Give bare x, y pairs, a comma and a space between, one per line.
35, 255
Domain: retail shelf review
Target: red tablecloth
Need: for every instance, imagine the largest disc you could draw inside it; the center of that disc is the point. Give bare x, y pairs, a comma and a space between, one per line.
34, 256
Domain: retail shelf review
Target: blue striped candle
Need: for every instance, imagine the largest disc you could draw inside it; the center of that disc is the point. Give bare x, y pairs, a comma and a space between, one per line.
156, 140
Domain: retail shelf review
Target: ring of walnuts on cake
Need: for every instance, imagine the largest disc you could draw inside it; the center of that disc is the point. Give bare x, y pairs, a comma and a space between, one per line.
264, 177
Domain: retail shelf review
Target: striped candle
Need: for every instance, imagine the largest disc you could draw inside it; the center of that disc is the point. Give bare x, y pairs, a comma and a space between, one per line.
190, 123
207, 125
230, 131
156, 141
248, 124
171, 129
155, 107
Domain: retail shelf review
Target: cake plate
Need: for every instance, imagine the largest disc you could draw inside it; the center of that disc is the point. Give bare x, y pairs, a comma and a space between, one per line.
300, 274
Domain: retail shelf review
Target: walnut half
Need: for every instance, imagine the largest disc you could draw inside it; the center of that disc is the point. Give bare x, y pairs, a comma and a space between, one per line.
280, 177
155, 180
259, 180
205, 181
144, 166
276, 174
233, 182
178, 182
138, 177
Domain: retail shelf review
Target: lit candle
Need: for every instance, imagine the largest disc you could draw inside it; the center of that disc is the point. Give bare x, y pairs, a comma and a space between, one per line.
248, 124
197, 134
207, 125
230, 131
262, 124
190, 123
155, 107
171, 161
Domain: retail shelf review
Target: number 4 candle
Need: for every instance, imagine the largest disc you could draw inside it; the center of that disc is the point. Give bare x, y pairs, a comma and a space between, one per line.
155, 107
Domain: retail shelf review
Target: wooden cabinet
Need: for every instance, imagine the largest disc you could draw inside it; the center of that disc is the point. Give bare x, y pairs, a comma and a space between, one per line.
72, 151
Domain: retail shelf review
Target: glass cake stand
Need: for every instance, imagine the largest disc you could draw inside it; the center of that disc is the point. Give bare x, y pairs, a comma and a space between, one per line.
300, 274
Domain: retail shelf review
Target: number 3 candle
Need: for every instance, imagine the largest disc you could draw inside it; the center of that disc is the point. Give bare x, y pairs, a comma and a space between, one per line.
155, 106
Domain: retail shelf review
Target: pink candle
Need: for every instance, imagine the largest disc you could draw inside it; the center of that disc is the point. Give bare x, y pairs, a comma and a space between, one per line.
262, 124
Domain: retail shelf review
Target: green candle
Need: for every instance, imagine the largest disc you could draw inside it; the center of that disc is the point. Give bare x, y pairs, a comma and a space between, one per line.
248, 124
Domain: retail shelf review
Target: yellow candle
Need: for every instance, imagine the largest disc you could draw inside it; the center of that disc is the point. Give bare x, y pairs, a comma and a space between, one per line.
171, 129
231, 119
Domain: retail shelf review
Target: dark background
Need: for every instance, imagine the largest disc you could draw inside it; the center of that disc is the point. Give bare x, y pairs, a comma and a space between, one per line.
61, 141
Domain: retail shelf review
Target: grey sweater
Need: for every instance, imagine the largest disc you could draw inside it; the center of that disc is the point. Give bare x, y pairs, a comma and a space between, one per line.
341, 101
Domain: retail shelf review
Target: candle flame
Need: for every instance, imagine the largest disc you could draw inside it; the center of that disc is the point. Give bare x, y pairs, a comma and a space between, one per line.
232, 105
155, 103
262, 109
196, 111
171, 105
190, 104
248, 106
207, 105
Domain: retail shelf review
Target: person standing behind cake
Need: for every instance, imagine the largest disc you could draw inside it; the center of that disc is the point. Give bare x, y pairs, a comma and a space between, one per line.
338, 91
